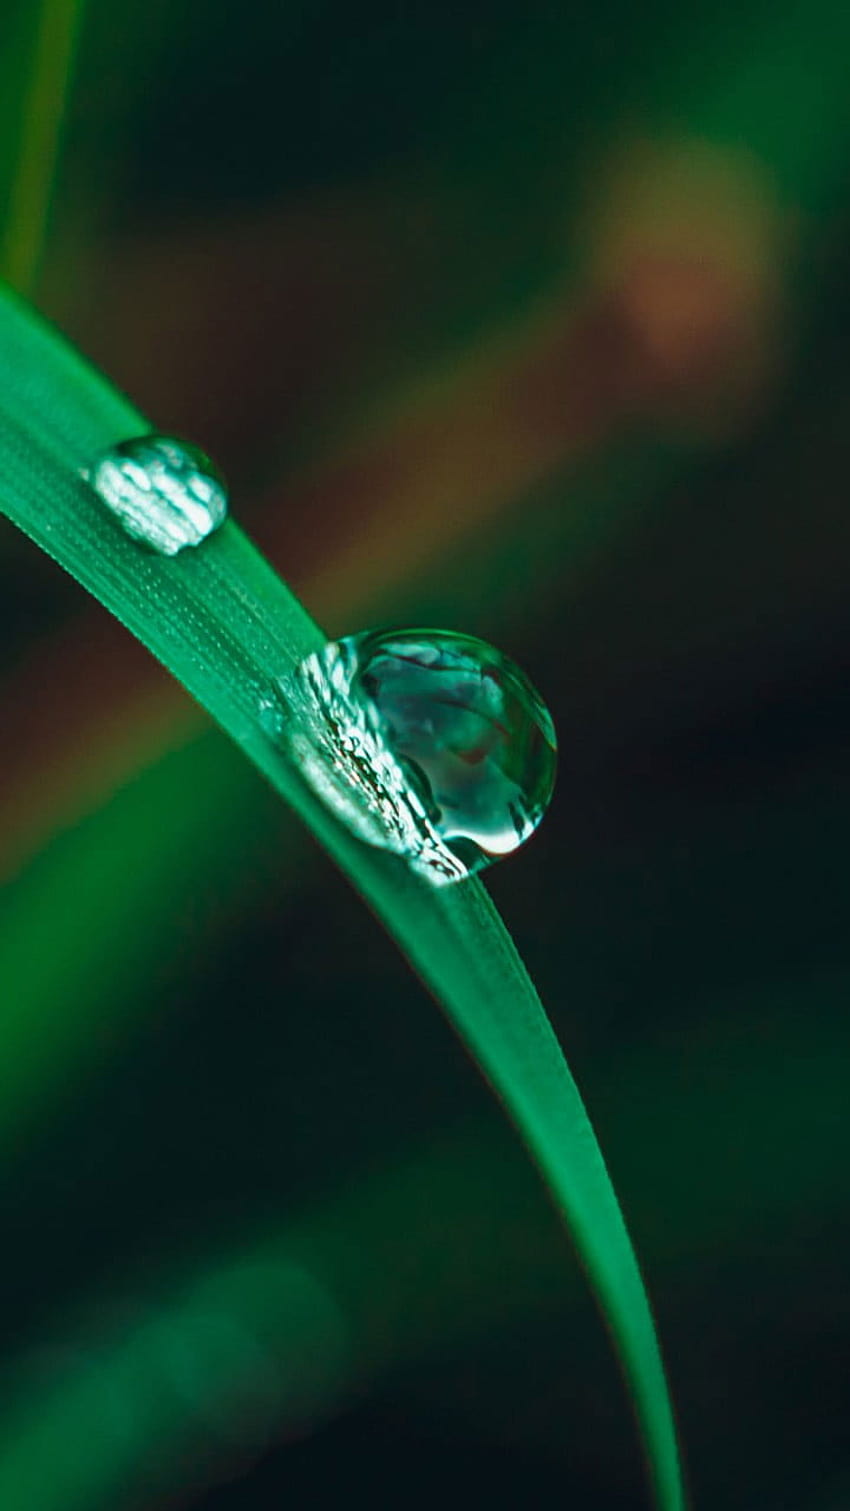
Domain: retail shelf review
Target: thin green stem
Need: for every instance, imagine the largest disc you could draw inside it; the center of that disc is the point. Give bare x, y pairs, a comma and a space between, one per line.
34, 172
235, 635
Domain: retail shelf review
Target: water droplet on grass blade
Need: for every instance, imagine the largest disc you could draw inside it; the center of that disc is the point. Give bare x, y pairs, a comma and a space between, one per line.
164, 492
428, 743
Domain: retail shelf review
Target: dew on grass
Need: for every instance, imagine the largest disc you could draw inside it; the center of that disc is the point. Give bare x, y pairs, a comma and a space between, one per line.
164, 492
427, 743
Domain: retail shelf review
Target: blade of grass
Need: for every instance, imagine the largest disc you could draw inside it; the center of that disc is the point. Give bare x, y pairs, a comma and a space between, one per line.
229, 629
470, 437
40, 132
789, 116
64, 1435
787, 1154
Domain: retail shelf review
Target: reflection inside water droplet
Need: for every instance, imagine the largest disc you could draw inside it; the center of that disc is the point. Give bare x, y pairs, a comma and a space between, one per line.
428, 743
164, 492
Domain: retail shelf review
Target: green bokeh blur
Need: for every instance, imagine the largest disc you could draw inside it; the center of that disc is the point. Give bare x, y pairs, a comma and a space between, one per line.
267, 1230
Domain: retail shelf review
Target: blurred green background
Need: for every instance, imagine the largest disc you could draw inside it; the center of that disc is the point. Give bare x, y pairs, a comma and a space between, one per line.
532, 321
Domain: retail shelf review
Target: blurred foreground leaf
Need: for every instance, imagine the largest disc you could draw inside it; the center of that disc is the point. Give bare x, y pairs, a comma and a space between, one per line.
46, 72
230, 630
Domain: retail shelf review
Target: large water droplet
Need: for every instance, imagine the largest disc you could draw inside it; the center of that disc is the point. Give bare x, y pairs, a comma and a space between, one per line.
165, 492
427, 743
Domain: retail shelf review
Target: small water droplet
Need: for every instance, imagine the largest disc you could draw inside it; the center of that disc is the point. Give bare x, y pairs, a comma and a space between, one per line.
164, 492
428, 743
272, 715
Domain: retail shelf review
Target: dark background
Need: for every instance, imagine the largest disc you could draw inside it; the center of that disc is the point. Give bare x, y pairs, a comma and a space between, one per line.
529, 320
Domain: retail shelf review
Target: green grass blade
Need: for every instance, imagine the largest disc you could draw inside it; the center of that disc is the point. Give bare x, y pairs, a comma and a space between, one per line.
224, 624
38, 143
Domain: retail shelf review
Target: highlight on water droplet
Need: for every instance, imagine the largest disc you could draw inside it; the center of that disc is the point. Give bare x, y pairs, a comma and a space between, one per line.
164, 492
428, 743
